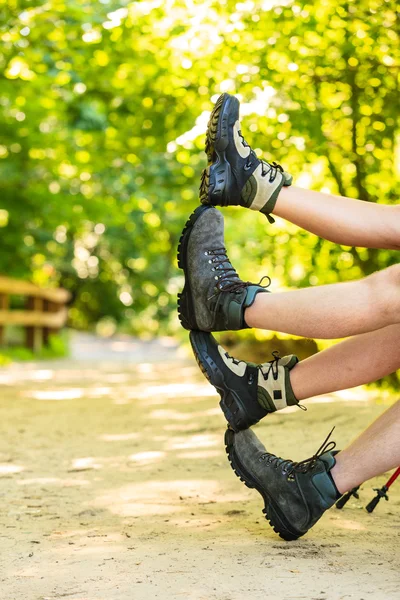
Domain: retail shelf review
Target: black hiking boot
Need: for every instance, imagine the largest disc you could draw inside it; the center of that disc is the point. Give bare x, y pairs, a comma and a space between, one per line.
248, 391
235, 176
214, 297
295, 494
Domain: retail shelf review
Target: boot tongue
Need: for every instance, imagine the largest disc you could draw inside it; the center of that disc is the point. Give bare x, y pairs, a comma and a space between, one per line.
252, 291
289, 361
328, 459
324, 482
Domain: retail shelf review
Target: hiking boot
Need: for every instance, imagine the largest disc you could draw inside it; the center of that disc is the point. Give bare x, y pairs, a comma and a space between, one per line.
295, 494
235, 176
214, 297
248, 391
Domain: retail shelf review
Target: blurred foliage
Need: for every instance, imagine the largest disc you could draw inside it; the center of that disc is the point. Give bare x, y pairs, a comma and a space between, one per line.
104, 110
249, 346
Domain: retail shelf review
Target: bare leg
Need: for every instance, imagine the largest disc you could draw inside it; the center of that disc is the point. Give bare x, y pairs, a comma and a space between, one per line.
361, 359
374, 452
358, 360
331, 311
339, 219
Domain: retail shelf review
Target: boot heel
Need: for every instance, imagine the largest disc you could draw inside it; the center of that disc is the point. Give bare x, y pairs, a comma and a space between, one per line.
218, 181
235, 464
233, 413
205, 186
184, 309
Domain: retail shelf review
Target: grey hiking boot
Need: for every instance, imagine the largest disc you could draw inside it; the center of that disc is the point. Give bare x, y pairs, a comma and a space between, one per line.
248, 391
295, 494
235, 176
214, 297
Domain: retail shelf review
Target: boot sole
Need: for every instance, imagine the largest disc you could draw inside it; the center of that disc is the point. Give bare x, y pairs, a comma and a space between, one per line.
216, 177
186, 312
270, 511
230, 403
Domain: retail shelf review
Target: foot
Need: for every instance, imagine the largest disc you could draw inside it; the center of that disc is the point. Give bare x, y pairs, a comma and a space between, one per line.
295, 494
235, 176
214, 297
248, 391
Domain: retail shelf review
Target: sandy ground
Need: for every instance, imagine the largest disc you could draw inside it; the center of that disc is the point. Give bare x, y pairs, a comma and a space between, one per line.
115, 486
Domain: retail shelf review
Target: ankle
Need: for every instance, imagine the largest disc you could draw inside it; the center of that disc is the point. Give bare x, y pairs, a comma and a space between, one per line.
285, 198
297, 382
341, 476
250, 314
246, 318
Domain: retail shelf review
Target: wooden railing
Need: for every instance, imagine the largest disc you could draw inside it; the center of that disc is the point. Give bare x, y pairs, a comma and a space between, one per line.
45, 311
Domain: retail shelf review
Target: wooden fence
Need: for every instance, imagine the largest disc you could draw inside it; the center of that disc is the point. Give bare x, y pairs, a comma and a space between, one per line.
45, 311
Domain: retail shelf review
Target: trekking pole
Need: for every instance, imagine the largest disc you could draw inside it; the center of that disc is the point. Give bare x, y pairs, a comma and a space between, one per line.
346, 497
382, 492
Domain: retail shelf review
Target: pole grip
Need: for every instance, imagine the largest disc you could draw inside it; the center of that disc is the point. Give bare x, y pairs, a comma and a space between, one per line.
343, 500
346, 497
380, 493
371, 505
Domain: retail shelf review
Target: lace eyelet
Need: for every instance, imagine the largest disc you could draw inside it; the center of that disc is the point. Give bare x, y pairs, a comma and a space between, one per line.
216, 277
247, 167
206, 253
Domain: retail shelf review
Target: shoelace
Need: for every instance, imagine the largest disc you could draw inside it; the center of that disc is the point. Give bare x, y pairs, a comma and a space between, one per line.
273, 366
273, 369
234, 360
271, 168
228, 280
288, 467
276, 356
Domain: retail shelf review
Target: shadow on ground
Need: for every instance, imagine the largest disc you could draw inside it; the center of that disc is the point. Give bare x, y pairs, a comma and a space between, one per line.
115, 485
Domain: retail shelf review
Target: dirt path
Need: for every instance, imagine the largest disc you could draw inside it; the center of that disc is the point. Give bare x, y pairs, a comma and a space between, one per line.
115, 486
